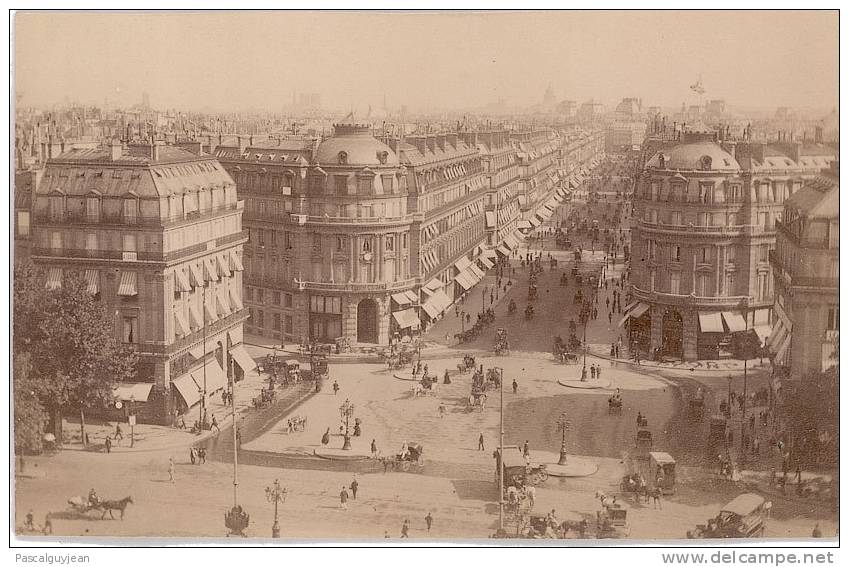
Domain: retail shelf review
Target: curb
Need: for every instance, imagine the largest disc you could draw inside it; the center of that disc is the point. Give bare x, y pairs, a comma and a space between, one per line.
654, 366
578, 385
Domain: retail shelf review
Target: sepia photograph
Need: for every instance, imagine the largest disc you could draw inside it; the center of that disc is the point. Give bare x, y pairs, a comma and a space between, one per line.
424, 277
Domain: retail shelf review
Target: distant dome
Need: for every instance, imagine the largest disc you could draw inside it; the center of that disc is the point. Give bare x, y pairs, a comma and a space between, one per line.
353, 144
702, 155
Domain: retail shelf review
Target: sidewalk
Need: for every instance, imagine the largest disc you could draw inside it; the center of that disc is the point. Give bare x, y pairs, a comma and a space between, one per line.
728, 366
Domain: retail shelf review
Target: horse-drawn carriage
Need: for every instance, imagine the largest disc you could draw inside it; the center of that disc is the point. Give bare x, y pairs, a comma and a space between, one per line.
511, 307
642, 444
518, 472
467, 364
563, 351
529, 312
265, 398
614, 405
82, 506
502, 344
696, 408
408, 458
612, 522
532, 292
743, 517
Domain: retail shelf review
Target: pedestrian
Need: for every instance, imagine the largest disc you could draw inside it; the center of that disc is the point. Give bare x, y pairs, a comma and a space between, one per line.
202, 455
607, 300
592, 371
28, 524
598, 372
610, 317
108, 444
343, 499
373, 449
48, 525
171, 470
480, 442
526, 450
515, 386
817, 532
756, 446
215, 425
119, 435
405, 529
468, 318
238, 437
335, 387
386, 534
428, 521
798, 475
656, 494
354, 486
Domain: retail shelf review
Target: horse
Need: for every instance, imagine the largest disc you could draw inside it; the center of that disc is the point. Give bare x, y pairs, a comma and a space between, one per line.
110, 505
579, 526
605, 499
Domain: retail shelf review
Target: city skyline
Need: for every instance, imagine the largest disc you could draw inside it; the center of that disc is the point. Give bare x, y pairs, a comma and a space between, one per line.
413, 59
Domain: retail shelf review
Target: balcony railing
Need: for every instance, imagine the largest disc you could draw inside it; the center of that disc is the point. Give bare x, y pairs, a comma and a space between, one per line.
705, 229
82, 218
196, 336
791, 279
354, 286
359, 220
138, 256
679, 299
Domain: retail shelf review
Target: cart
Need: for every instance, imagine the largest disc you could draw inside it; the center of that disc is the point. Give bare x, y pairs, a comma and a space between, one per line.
612, 522
467, 364
410, 460
642, 444
743, 517
662, 471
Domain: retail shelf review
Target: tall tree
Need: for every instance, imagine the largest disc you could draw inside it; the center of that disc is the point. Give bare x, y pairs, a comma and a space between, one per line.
75, 358
30, 416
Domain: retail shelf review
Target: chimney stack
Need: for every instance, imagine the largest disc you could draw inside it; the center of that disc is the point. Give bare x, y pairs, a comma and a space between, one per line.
154, 149
116, 149
818, 137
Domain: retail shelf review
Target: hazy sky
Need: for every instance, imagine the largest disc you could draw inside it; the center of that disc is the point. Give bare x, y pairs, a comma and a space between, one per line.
257, 59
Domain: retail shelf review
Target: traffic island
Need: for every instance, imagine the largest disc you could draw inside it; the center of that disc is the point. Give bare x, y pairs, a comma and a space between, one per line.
342, 454
589, 384
575, 466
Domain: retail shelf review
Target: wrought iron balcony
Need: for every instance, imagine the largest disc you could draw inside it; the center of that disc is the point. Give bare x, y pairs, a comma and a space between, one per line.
689, 300
355, 287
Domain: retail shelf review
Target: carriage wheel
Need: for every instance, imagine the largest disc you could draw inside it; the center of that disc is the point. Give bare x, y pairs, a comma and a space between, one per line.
543, 476
534, 478
405, 466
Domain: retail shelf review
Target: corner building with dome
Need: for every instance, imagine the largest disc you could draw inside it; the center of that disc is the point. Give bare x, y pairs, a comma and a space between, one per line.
704, 222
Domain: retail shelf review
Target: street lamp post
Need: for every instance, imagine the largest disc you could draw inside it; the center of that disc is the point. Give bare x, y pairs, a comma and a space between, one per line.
501, 455
563, 425
745, 386
132, 419
346, 411
276, 494
584, 320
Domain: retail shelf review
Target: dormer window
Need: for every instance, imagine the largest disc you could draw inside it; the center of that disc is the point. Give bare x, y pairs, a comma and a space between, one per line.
706, 163
343, 158
382, 157
661, 161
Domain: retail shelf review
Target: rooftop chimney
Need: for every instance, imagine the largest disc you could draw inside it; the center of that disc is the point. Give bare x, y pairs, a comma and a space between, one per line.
154, 149
818, 138
116, 149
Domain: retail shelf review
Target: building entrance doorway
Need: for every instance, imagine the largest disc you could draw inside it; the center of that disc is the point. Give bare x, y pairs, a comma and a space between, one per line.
367, 321
672, 343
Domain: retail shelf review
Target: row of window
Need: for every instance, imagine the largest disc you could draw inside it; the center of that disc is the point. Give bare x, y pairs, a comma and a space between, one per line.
321, 242
257, 319
704, 254
765, 219
259, 295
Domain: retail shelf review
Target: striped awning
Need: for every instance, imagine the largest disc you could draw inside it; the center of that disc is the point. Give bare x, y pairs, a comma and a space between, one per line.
92, 280
197, 275
242, 358
235, 262
405, 297
195, 320
235, 300
223, 266
485, 262
535, 222
211, 269
478, 273
181, 327
181, 280
129, 284
523, 224
54, 278
465, 280
503, 250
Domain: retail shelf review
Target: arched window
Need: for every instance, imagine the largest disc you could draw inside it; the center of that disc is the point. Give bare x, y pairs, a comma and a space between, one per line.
706, 163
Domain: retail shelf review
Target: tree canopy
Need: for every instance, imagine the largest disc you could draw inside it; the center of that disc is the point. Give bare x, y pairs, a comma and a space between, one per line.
68, 334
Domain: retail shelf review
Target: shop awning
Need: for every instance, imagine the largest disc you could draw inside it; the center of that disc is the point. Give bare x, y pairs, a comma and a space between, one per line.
235, 263
128, 286
779, 331
783, 346
503, 250
511, 242
132, 392
464, 280
523, 224
181, 327
92, 280
639, 310
535, 222
735, 321
235, 335
401, 298
210, 312
215, 377
485, 262
433, 285
478, 273
462, 264
558, 197
242, 358
710, 322
188, 389
437, 303
406, 318
54, 278
223, 266
431, 307
629, 307
490, 219
763, 332
222, 303
181, 280
490, 253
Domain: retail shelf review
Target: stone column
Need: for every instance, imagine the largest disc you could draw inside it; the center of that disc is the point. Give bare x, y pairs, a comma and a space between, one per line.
689, 333
656, 326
